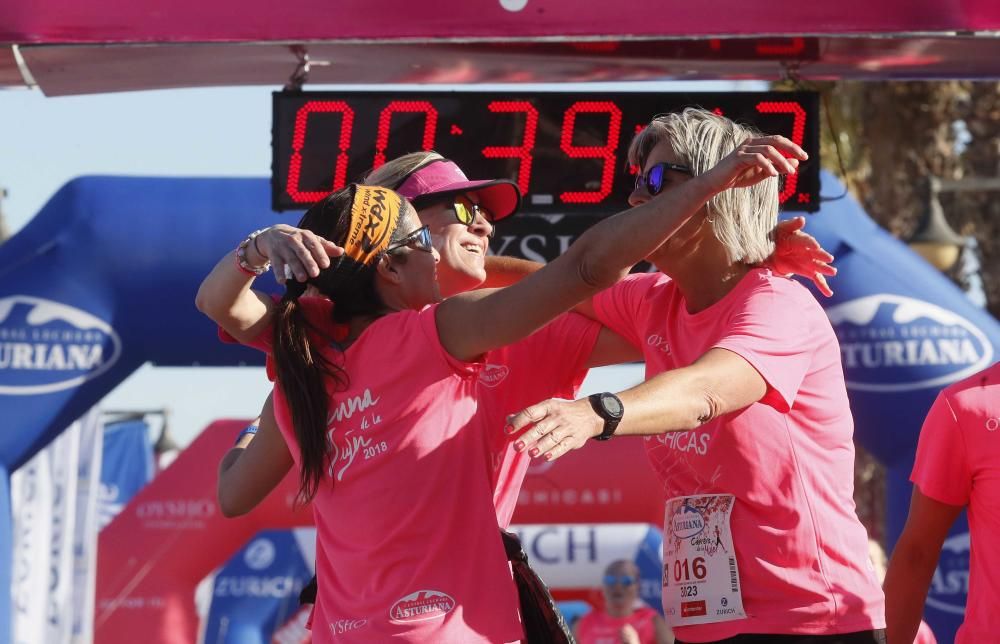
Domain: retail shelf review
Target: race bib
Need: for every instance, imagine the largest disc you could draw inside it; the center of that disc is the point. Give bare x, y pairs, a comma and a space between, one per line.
701, 581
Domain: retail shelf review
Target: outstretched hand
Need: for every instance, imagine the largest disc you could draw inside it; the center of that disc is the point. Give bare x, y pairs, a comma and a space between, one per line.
296, 253
557, 426
755, 160
799, 253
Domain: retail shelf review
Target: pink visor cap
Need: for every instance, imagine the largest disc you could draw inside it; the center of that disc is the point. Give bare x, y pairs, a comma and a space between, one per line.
444, 178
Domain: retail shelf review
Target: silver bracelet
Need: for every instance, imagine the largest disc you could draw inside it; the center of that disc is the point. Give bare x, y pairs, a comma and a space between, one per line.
241, 255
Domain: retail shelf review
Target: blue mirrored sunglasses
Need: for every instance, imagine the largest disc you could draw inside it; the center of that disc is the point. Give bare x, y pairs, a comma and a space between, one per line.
624, 580
419, 239
653, 180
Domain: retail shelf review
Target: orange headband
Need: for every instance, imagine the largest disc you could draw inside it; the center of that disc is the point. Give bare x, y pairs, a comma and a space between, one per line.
374, 216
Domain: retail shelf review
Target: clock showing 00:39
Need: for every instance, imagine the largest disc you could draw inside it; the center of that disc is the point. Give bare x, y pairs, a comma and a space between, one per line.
566, 151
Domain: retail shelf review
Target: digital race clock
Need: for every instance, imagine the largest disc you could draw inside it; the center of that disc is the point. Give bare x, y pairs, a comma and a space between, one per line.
566, 151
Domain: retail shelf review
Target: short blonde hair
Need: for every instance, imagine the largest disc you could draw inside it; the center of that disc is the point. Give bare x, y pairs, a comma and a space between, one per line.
393, 173
742, 218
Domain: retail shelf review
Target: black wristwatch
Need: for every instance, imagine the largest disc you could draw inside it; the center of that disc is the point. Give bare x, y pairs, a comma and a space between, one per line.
610, 408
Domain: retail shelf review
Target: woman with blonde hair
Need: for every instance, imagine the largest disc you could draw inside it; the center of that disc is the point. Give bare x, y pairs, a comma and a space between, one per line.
744, 412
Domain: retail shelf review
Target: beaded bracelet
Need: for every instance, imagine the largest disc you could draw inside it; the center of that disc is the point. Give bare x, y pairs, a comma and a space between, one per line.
241, 256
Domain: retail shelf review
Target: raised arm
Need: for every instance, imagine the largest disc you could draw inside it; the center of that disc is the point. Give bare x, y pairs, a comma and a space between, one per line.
473, 323
796, 252
225, 295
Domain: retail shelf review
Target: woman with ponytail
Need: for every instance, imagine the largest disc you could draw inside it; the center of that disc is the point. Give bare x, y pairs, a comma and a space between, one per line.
379, 380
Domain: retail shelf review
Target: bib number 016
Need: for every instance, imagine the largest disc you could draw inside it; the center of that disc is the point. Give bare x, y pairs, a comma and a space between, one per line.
688, 570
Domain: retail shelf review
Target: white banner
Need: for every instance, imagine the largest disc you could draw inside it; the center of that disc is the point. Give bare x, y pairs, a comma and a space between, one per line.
47, 546
86, 528
31, 507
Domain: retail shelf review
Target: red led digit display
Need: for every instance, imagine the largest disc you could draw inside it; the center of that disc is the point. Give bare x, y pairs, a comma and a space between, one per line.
605, 152
568, 152
299, 140
385, 122
523, 151
797, 135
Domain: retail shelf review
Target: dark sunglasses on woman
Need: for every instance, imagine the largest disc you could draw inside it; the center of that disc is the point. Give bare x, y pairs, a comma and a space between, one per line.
419, 239
654, 180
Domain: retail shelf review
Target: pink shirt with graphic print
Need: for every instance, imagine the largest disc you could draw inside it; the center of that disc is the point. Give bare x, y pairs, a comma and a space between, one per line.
407, 539
958, 463
788, 459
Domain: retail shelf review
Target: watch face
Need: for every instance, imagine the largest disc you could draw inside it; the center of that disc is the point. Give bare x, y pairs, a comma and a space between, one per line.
612, 405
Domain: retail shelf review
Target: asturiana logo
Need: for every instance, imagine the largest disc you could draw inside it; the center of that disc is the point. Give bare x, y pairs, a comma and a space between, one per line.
421, 605
896, 343
493, 374
950, 583
46, 346
686, 522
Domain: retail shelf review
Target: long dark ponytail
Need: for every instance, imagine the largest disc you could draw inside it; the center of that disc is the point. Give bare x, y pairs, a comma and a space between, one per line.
302, 369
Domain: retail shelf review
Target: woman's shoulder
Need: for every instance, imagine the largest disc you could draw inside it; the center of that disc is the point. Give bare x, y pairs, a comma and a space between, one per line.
761, 282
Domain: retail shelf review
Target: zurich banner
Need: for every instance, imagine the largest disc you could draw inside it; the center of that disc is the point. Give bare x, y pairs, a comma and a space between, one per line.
256, 594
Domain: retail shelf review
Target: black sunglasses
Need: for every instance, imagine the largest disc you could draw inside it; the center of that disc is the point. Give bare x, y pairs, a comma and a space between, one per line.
654, 179
419, 239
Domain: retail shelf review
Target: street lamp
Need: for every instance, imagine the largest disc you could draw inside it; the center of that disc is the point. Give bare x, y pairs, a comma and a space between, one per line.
935, 240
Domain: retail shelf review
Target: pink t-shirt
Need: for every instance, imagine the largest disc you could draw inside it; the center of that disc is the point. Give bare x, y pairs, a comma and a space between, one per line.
789, 459
597, 627
550, 363
407, 539
958, 463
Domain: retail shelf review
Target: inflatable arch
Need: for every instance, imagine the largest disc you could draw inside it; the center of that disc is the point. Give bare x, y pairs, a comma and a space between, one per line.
103, 280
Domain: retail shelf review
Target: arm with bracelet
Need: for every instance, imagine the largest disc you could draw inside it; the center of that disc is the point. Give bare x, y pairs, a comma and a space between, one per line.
254, 466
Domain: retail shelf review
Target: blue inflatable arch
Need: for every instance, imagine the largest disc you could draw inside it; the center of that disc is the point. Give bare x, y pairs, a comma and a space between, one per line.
103, 280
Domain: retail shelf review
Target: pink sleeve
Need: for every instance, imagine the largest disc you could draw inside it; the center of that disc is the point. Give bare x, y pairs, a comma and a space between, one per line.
772, 334
555, 358
619, 308
427, 320
941, 470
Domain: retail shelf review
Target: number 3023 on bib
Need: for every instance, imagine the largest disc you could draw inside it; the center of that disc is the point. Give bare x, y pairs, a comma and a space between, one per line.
701, 579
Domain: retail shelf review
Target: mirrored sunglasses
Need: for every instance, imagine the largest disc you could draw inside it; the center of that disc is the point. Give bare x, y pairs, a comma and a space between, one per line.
624, 580
419, 239
654, 180
467, 212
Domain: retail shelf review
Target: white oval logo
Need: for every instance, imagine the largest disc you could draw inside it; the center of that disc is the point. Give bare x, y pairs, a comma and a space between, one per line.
46, 346
686, 522
492, 375
895, 343
421, 605
950, 583
259, 554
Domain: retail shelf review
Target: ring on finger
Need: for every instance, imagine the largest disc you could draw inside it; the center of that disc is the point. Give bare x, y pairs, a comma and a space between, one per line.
289, 273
